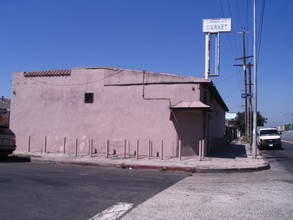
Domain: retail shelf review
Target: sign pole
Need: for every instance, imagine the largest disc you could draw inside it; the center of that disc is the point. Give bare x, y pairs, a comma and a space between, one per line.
207, 58
214, 26
218, 55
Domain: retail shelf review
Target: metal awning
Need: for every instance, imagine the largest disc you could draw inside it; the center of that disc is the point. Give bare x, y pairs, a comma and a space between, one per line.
192, 105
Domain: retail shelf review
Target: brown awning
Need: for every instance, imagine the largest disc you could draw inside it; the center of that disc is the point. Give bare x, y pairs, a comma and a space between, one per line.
192, 105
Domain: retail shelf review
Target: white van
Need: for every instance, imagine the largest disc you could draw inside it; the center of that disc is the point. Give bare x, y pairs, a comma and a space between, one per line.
269, 138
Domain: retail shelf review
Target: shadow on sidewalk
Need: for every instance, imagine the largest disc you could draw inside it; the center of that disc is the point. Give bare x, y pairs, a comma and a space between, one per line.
230, 151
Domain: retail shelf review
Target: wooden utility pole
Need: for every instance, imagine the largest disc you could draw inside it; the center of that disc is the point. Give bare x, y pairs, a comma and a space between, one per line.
246, 93
245, 84
250, 112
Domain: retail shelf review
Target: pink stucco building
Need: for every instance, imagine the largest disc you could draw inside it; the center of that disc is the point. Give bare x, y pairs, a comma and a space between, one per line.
57, 111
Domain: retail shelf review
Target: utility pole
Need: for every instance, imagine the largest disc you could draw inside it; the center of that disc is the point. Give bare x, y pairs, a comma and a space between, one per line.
246, 93
250, 118
245, 83
254, 147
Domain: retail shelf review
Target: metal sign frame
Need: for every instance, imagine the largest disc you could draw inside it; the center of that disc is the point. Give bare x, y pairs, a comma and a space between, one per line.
214, 26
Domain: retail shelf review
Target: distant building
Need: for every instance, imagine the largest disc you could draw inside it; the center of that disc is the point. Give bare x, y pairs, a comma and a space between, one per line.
62, 109
4, 103
4, 111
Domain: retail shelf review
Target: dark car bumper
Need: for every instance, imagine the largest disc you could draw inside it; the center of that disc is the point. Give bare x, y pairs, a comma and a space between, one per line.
270, 145
5, 149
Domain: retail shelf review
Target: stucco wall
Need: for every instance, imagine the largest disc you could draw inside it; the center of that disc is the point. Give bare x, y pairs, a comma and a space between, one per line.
128, 105
216, 120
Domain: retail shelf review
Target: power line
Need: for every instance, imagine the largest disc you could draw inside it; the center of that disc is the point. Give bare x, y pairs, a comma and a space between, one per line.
233, 91
227, 78
240, 24
247, 24
261, 28
234, 51
233, 25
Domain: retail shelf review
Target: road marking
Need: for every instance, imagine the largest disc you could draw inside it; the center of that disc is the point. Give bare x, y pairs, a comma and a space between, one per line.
114, 212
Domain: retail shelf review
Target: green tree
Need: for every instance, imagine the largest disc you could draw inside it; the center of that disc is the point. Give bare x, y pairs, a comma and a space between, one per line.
239, 122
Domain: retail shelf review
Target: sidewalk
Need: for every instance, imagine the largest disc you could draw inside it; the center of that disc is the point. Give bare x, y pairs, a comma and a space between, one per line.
232, 158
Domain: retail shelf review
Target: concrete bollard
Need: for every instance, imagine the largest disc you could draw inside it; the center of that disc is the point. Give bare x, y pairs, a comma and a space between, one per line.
64, 145
199, 150
137, 148
92, 147
107, 149
45, 147
149, 151
179, 150
203, 149
76, 144
161, 152
29, 144
124, 149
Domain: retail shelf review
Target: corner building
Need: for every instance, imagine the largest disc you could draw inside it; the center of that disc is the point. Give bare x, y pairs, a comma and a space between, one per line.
59, 111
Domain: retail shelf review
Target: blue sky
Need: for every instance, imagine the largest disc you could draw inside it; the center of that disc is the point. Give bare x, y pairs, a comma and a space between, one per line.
153, 35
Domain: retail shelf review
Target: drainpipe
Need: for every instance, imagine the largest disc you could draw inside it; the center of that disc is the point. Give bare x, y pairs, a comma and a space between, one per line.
157, 99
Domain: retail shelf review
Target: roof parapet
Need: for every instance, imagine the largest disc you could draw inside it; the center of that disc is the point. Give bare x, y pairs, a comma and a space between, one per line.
49, 73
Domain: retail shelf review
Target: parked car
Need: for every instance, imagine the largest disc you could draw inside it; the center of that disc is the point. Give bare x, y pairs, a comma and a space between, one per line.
269, 138
7, 137
7, 141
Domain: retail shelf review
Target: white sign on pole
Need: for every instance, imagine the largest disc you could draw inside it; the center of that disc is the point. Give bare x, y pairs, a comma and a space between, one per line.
216, 25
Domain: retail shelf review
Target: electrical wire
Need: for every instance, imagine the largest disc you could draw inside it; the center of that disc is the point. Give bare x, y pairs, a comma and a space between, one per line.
227, 78
241, 15
247, 24
238, 14
233, 91
261, 29
233, 25
234, 50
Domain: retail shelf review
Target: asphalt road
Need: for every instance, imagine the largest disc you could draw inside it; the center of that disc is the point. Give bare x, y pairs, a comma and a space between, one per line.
257, 195
51, 191
280, 159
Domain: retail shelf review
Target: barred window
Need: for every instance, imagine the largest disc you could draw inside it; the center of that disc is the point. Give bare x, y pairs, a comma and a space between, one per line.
89, 98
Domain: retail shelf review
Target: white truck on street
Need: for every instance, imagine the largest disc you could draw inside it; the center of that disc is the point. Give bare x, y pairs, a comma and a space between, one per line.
269, 138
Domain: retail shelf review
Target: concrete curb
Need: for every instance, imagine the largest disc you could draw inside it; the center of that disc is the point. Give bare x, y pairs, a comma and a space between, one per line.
234, 170
133, 166
214, 167
195, 169
162, 168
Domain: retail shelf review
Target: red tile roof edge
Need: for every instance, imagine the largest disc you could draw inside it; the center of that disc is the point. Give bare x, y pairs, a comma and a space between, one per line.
49, 73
